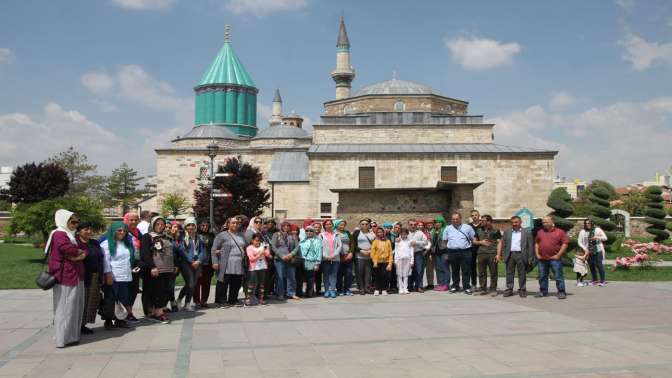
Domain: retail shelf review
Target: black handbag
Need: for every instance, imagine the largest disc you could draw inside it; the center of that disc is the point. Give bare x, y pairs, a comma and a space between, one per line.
46, 280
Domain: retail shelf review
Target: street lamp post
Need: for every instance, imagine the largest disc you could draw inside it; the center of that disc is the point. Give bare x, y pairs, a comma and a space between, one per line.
213, 148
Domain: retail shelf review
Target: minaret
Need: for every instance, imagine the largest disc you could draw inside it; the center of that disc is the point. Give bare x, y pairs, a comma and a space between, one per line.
343, 74
276, 115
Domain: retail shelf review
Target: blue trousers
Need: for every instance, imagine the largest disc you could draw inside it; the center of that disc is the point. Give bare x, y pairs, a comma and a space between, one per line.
345, 276
285, 272
442, 269
544, 267
330, 272
418, 273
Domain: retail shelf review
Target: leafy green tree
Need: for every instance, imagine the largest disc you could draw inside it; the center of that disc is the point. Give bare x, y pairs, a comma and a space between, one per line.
634, 203
601, 213
246, 195
32, 183
561, 203
5, 206
655, 214
38, 218
583, 206
80, 171
122, 187
174, 204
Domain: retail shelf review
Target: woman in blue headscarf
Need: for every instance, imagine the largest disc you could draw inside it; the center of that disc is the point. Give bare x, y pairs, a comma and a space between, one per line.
119, 259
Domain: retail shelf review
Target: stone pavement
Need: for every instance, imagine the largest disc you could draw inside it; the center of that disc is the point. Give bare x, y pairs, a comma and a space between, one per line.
623, 329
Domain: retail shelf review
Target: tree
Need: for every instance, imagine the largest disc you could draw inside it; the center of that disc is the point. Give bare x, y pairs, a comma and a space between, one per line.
122, 188
5, 206
583, 205
247, 197
78, 168
634, 203
32, 183
174, 204
561, 203
601, 213
38, 218
655, 215
150, 189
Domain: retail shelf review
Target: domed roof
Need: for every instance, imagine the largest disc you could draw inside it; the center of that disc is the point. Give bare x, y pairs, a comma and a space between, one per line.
394, 86
210, 132
283, 132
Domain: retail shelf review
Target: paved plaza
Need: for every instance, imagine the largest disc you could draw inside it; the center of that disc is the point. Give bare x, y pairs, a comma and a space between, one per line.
623, 330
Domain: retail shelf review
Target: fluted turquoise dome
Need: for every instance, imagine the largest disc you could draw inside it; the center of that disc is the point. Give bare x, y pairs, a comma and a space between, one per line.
226, 95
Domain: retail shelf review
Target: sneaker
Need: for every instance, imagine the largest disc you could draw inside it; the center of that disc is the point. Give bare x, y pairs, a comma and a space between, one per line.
333, 294
327, 294
453, 290
562, 295
522, 293
508, 293
164, 319
189, 308
384, 292
593, 283
348, 293
376, 293
601, 284
467, 291
541, 295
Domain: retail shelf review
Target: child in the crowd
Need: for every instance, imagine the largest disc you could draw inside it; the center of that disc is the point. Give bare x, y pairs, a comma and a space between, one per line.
403, 259
382, 259
580, 268
256, 255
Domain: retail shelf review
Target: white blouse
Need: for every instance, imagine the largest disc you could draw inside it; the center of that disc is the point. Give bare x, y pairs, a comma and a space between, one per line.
119, 264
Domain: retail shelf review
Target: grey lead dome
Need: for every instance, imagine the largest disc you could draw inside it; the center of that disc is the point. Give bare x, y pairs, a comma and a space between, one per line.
395, 86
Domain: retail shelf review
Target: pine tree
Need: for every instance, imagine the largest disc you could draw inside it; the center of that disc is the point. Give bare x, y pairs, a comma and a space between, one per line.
80, 172
122, 188
601, 213
655, 215
246, 195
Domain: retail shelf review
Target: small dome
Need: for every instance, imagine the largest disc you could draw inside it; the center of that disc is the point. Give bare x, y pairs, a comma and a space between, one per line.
210, 132
283, 132
394, 87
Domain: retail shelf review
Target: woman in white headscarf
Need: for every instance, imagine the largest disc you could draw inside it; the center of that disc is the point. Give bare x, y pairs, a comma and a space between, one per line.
67, 266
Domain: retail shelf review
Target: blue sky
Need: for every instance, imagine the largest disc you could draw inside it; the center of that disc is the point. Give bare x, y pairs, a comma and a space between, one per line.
114, 78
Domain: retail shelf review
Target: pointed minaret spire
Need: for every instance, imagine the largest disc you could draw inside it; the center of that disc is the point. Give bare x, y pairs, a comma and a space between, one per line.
276, 111
227, 33
343, 41
343, 74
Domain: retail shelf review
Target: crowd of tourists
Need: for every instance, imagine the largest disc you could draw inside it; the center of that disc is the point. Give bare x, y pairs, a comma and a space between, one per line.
144, 255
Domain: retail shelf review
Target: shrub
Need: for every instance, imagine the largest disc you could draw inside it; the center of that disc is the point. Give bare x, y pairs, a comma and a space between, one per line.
654, 214
601, 213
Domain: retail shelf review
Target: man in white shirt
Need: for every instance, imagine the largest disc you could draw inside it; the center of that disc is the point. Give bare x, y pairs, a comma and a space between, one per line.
420, 246
517, 253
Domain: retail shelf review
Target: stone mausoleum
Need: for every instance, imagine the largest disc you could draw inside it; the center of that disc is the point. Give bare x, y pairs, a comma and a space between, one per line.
391, 150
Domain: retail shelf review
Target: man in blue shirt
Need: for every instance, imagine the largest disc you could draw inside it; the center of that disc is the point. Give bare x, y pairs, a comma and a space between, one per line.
459, 239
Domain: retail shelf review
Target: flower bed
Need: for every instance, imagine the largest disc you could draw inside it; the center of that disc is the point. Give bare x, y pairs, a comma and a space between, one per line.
645, 254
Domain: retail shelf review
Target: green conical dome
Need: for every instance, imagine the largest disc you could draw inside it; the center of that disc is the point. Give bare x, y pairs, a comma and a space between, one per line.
226, 95
226, 69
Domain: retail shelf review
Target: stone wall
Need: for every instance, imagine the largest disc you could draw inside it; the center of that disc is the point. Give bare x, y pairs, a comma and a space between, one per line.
510, 182
296, 199
404, 134
385, 103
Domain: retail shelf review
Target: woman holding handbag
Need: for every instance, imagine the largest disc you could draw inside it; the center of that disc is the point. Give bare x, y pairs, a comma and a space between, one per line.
67, 266
158, 268
228, 260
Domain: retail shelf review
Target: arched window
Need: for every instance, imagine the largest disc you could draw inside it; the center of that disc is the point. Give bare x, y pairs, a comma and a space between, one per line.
399, 106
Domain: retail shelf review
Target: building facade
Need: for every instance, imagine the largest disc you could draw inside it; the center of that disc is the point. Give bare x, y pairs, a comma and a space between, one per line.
392, 150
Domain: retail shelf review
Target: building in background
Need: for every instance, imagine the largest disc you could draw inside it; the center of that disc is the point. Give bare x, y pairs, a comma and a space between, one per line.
392, 150
574, 187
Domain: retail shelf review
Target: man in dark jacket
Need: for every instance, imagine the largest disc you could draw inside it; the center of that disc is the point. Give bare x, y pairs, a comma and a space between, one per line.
517, 252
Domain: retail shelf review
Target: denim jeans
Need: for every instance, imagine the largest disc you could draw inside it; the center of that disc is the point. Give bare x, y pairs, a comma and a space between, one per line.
344, 277
442, 271
285, 278
544, 268
330, 271
596, 266
460, 260
418, 273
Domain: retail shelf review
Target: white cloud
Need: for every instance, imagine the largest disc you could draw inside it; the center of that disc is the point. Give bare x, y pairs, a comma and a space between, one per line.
642, 54
626, 4
262, 8
144, 4
6, 55
105, 106
97, 82
133, 84
481, 53
562, 100
622, 142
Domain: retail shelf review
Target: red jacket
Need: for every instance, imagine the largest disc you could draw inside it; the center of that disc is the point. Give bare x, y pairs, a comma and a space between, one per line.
73, 271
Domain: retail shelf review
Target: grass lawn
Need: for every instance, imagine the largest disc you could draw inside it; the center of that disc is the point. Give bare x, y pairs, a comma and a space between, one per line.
19, 265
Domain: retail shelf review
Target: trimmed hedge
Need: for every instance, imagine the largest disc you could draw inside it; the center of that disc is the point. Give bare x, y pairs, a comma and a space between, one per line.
654, 214
601, 213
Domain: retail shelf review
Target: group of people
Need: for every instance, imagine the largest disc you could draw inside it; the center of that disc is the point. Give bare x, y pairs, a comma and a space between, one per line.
144, 255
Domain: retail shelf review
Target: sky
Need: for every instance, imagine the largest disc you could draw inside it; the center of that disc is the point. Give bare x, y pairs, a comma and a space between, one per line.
115, 78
